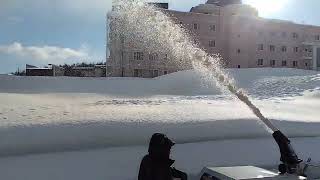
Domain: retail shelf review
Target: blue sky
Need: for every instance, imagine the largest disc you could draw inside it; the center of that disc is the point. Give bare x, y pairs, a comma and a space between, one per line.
67, 31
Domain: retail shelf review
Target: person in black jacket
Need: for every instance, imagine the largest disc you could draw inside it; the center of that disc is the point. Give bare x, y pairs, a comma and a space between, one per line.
156, 165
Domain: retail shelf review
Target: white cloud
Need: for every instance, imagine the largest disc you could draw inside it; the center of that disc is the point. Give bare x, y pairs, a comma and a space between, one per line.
44, 54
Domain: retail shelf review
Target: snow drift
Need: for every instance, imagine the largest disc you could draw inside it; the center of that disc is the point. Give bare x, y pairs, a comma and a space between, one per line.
266, 82
123, 162
48, 114
57, 138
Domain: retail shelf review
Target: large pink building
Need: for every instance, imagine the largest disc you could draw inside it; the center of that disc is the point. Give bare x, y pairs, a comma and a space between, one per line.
236, 32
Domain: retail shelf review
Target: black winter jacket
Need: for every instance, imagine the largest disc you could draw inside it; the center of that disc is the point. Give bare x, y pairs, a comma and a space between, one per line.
153, 169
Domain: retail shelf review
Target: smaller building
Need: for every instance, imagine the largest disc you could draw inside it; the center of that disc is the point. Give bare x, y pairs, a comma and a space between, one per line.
224, 2
91, 71
50, 70
76, 71
160, 5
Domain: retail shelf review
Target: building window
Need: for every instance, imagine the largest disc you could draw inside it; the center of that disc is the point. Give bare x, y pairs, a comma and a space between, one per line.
238, 51
138, 55
260, 47
137, 73
212, 27
155, 73
272, 34
295, 63
296, 49
122, 72
122, 55
212, 43
284, 34
165, 72
295, 35
195, 26
284, 63
260, 62
284, 48
122, 39
272, 48
272, 63
317, 37
153, 56
239, 66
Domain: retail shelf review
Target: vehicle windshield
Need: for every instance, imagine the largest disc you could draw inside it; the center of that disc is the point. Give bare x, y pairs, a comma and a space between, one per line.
85, 84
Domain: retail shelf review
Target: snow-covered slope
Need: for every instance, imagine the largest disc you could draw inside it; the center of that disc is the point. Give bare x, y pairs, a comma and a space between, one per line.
44, 114
58, 114
123, 162
266, 82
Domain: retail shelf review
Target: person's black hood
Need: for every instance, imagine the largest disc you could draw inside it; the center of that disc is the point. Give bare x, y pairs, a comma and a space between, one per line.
160, 144
160, 141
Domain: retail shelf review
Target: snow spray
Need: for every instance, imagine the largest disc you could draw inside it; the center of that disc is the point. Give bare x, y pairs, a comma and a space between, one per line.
139, 25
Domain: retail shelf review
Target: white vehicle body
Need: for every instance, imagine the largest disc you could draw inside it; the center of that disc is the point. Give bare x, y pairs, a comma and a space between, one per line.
247, 173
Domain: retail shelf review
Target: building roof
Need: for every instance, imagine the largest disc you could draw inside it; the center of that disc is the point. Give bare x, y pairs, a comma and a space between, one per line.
100, 65
28, 66
39, 68
160, 5
83, 68
224, 2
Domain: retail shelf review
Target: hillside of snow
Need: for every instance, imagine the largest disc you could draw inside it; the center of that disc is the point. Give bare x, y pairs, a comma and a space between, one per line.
117, 116
45, 114
265, 82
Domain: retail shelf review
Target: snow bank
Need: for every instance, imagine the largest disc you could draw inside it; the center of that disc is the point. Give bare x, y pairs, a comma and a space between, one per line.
263, 83
47, 114
55, 138
181, 83
123, 162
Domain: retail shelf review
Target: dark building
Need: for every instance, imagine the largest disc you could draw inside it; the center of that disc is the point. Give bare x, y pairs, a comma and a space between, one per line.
51, 70
317, 65
161, 5
92, 71
39, 72
77, 71
224, 2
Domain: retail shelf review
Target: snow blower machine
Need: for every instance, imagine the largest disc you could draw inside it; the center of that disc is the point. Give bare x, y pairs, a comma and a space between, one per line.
291, 167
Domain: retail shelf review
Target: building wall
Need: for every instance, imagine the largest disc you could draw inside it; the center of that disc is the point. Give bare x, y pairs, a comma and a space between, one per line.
318, 58
96, 71
100, 71
223, 2
39, 72
57, 71
242, 38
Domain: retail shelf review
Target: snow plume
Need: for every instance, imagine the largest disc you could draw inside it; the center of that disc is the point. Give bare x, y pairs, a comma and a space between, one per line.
147, 27
44, 54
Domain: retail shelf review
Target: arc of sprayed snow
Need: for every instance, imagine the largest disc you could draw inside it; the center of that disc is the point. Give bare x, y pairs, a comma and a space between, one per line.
226, 81
253, 108
199, 57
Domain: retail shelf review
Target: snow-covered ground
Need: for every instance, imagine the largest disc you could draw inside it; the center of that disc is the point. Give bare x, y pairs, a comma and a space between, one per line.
108, 121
